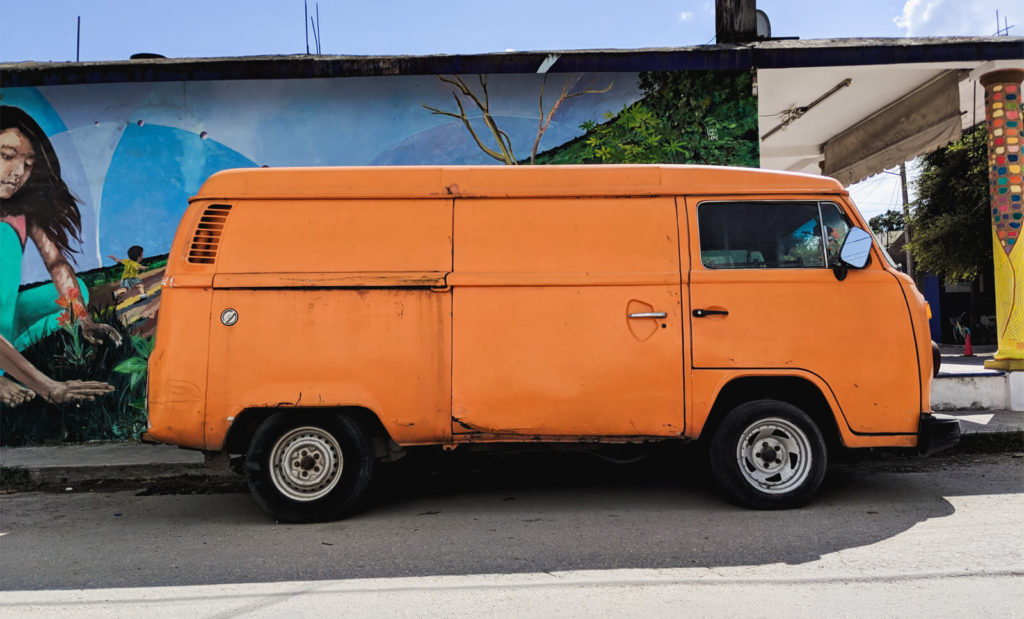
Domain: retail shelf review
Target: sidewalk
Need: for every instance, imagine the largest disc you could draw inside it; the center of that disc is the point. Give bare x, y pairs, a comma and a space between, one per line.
65, 465
112, 462
954, 363
984, 422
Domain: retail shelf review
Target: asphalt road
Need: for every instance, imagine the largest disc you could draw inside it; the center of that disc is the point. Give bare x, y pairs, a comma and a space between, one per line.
559, 534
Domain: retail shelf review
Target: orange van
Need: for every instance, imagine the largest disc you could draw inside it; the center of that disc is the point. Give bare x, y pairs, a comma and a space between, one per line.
318, 320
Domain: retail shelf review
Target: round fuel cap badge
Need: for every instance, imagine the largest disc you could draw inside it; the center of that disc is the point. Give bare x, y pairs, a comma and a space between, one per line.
229, 317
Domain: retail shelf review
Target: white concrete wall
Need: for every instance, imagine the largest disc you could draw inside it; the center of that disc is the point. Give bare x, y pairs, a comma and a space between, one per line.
1015, 391
977, 392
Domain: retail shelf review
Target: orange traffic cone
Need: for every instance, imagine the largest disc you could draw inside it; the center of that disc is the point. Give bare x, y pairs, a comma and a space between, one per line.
968, 351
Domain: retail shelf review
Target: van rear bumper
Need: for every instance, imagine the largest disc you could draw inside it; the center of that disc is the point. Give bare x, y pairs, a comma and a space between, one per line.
937, 433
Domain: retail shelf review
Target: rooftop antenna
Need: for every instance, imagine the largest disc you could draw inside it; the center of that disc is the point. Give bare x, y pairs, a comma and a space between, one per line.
316, 29
314, 24
78, 39
305, 22
1003, 31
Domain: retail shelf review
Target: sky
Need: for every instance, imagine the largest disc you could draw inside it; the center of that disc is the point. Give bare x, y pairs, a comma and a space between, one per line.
46, 30
115, 29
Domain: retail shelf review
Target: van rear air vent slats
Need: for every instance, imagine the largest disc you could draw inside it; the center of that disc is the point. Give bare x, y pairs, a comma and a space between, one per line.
207, 237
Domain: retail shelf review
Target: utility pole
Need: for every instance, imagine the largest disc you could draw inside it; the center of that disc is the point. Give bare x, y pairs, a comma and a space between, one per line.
906, 219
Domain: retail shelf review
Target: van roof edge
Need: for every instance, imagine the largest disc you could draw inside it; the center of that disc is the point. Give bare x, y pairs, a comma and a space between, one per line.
505, 181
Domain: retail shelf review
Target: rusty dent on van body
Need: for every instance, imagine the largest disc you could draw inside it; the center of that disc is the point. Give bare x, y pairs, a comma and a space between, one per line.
552, 303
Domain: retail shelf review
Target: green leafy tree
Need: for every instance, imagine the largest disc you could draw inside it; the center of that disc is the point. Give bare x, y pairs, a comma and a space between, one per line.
704, 117
950, 220
889, 221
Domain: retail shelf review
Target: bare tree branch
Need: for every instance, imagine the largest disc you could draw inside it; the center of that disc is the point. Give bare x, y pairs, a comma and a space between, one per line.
504, 143
469, 127
483, 102
545, 121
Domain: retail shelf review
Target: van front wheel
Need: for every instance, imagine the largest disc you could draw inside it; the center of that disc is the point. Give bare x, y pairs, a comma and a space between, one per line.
308, 467
768, 454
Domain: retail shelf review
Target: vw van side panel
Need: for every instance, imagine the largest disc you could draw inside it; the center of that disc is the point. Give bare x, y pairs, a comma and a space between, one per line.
177, 374
922, 334
176, 388
383, 349
855, 334
567, 319
339, 303
335, 308
707, 385
916, 306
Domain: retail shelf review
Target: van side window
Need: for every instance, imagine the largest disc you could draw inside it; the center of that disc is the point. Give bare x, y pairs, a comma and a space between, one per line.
835, 230
752, 235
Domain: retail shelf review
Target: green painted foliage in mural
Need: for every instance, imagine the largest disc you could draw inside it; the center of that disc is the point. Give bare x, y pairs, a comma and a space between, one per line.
697, 117
118, 416
67, 355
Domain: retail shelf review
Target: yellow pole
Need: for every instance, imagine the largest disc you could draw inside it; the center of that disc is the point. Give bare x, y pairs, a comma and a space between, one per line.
1003, 121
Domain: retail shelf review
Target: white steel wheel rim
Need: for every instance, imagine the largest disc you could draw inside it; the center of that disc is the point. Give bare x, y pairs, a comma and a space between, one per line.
306, 463
774, 455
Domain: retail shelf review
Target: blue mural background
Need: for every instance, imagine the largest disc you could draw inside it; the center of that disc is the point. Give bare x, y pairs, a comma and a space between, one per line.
134, 153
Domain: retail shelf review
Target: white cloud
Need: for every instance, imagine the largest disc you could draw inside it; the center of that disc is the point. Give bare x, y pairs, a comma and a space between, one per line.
949, 17
686, 16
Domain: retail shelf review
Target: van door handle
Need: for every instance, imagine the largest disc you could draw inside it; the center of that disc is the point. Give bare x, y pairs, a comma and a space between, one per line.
649, 315
701, 313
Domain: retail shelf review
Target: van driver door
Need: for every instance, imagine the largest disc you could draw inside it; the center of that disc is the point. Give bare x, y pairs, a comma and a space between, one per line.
764, 298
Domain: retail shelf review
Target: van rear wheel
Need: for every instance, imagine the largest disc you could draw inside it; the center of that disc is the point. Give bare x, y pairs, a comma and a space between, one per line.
308, 467
768, 454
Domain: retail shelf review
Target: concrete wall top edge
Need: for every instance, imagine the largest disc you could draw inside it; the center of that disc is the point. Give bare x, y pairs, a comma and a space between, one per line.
763, 54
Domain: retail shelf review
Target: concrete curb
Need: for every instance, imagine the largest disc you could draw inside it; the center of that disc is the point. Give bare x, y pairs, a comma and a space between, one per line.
76, 474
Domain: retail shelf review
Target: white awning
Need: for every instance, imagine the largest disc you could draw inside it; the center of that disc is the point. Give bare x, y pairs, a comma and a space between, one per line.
918, 123
888, 114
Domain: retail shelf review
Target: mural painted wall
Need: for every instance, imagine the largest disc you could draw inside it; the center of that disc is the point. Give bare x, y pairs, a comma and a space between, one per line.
94, 182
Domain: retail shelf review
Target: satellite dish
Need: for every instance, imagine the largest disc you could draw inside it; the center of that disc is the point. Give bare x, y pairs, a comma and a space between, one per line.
764, 27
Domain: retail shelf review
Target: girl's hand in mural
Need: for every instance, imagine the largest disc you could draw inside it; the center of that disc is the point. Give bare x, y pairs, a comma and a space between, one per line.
75, 391
64, 280
95, 333
58, 392
12, 394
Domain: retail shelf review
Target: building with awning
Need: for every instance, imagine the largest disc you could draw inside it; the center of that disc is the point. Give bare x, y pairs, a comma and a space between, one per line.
847, 108
851, 108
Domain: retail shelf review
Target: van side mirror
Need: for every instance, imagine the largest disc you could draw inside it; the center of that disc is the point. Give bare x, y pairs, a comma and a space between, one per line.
856, 248
855, 252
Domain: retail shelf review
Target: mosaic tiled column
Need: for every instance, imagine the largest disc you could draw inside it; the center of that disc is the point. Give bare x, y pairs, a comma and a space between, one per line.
1003, 120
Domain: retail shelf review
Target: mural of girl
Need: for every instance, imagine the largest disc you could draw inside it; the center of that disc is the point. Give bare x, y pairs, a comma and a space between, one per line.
35, 203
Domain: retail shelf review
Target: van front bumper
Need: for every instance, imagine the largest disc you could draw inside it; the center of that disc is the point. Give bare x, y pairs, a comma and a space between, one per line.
937, 433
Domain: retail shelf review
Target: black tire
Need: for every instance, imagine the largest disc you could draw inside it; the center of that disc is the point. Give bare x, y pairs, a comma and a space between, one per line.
768, 454
308, 466
936, 359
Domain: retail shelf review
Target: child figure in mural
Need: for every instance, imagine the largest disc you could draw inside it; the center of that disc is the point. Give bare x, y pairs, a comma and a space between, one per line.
36, 204
130, 275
